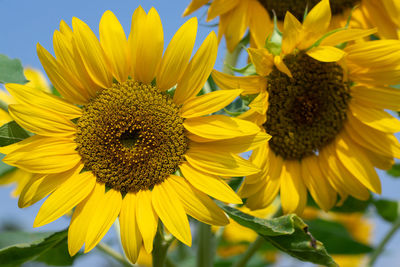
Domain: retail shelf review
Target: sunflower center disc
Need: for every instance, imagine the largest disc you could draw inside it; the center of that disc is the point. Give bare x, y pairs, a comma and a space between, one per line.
131, 137
297, 7
307, 111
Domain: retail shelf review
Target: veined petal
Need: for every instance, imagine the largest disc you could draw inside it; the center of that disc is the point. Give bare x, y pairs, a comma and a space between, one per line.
169, 208
67, 196
177, 55
236, 28
198, 70
61, 78
68, 55
81, 218
278, 61
258, 23
315, 24
210, 184
375, 118
323, 194
41, 121
92, 54
194, 5
115, 45
265, 196
45, 155
27, 96
150, 45
147, 219
326, 53
219, 7
346, 35
262, 60
137, 25
293, 191
130, 235
103, 216
36, 79
219, 163
220, 127
237, 144
377, 97
208, 103
357, 163
250, 84
291, 33
43, 184
10, 148
197, 204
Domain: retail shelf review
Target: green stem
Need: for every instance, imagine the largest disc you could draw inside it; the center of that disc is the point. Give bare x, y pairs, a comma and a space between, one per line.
232, 58
206, 246
114, 254
160, 248
379, 249
251, 250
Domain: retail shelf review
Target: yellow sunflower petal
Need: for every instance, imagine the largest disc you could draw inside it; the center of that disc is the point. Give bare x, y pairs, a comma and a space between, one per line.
319, 187
92, 54
68, 55
250, 84
379, 161
42, 185
177, 55
346, 35
210, 184
237, 144
219, 163
81, 217
147, 219
198, 70
278, 61
326, 53
103, 216
293, 192
262, 60
62, 80
27, 96
45, 155
10, 148
130, 235
41, 121
265, 196
115, 45
171, 212
197, 204
377, 141
258, 25
315, 24
208, 103
220, 127
237, 26
358, 164
66, 197
377, 97
36, 79
194, 5
149, 48
291, 32
137, 25
375, 118
219, 7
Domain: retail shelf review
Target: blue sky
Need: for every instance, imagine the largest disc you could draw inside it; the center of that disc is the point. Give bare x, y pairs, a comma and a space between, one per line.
24, 23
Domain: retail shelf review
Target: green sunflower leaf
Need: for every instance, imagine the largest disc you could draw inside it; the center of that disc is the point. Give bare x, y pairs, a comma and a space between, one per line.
11, 70
11, 133
287, 233
387, 209
336, 237
394, 171
20, 247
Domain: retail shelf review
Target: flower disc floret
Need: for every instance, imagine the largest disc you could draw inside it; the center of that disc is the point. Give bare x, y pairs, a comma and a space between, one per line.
305, 112
131, 136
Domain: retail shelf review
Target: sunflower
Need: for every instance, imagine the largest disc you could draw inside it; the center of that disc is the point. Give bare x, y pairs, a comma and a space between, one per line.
325, 109
37, 82
236, 16
113, 145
